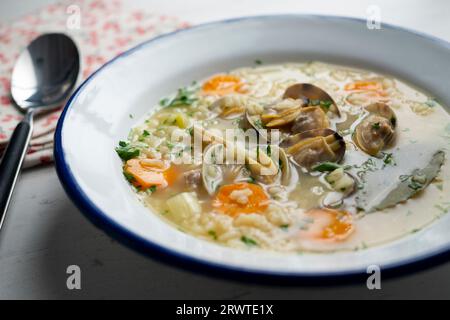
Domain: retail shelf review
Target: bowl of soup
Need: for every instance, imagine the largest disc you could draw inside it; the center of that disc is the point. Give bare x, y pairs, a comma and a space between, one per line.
268, 146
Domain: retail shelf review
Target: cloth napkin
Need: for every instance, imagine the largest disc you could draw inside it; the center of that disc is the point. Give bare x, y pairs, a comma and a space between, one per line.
101, 29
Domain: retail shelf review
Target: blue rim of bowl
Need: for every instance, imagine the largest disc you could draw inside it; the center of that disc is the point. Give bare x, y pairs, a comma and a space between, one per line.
154, 250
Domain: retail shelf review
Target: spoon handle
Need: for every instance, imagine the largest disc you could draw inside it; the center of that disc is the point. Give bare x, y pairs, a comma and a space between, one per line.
12, 161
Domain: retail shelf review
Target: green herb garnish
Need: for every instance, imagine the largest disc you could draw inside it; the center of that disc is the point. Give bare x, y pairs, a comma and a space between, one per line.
326, 104
144, 134
128, 176
416, 186
326, 167
126, 151
251, 180
213, 234
184, 97
258, 123
170, 145
248, 241
366, 166
388, 159
190, 131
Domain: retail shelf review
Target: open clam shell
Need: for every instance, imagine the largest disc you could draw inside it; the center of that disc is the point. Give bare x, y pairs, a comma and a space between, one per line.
289, 122
310, 118
278, 153
376, 130
256, 123
383, 110
212, 169
283, 172
314, 146
312, 96
262, 167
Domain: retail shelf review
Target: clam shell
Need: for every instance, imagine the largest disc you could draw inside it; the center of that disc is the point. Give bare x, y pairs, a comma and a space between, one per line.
309, 92
332, 137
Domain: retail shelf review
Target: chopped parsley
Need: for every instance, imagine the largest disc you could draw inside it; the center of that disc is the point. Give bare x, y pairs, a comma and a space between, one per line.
376, 126
170, 145
128, 176
126, 151
284, 226
404, 177
144, 134
179, 154
269, 150
184, 97
388, 159
368, 165
151, 189
248, 241
258, 123
414, 182
326, 166
258, 62
325, 104
213, 234
415, 185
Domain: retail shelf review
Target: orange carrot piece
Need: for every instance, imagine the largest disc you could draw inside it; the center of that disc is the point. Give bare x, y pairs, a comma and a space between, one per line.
223, 84
257, 200
147, 175
328, 225
364, 85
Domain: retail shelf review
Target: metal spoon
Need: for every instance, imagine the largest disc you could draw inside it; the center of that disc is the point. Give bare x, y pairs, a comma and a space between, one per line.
43, 77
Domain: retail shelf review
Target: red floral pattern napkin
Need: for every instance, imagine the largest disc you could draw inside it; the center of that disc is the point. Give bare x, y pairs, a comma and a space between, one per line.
101, 29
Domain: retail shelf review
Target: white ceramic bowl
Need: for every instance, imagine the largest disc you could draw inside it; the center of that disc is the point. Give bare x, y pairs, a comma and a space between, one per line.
98, 116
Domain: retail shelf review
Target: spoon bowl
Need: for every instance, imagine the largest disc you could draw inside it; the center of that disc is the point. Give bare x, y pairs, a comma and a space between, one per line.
45, 72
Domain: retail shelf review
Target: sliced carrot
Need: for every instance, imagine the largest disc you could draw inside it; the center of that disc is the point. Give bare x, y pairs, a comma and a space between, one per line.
226, 202
328, 225
223, 84
366, 85
149, 172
